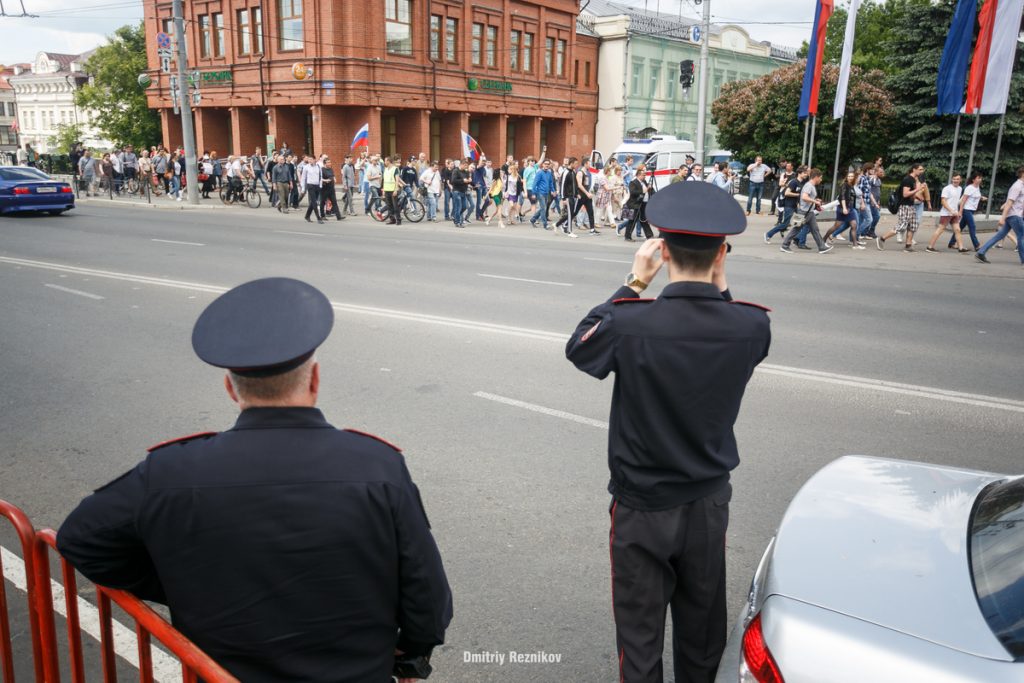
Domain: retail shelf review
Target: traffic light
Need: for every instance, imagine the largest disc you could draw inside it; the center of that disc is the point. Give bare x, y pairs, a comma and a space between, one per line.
686, 73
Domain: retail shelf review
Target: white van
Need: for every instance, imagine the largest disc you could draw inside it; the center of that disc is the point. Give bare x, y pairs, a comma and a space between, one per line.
662, 154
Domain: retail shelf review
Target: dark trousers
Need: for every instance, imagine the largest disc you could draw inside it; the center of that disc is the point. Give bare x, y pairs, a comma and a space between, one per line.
393, 206
670, 558
583, 202
811, 224
313, 192
327, 195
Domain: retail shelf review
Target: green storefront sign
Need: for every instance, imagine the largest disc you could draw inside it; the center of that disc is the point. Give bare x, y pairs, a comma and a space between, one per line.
216, 76
476, 84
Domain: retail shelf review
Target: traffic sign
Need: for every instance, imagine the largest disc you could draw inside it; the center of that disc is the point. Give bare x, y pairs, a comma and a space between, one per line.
696, 34
163, 40
327, 85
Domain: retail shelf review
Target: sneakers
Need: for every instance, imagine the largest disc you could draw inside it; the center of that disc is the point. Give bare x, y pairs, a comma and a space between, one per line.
594, 231
880, 243
981, 257
827, 248
931, 250
767, 238
803, 246
899, 237
785, 249
839, 238
859, 246
908, 249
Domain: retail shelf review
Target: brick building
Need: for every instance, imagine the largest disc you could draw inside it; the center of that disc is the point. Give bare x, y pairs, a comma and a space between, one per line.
515, 74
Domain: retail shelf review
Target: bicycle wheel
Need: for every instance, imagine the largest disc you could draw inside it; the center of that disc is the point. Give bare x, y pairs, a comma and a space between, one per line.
414, 211
379, 210
252, 198
131, 186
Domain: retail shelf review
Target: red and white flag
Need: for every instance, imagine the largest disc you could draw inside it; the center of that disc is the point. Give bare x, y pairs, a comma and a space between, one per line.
988, 87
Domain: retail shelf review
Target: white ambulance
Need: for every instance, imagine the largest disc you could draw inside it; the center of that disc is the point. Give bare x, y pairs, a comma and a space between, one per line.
661, 154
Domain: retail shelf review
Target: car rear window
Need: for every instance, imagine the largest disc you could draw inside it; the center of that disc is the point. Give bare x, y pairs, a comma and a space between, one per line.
997, 546
25, 173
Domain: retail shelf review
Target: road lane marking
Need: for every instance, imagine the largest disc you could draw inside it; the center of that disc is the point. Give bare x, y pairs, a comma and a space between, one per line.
607, 260
188, 244
572, 417
523, 279
932, 393
296, 232
79, 292
165, 667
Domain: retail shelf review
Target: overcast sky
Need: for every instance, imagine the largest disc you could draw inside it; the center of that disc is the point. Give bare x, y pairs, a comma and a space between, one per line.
74, 26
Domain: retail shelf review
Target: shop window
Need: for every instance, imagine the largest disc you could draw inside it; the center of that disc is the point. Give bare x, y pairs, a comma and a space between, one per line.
398, 26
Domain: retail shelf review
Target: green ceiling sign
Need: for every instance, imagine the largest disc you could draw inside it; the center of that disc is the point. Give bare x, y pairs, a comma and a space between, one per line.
478, 84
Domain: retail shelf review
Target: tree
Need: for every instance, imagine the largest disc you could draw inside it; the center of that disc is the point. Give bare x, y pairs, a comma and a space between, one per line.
114, 95
759, 116
67, 135
913, 51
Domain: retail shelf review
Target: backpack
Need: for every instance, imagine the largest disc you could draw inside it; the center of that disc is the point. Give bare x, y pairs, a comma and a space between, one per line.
894, 201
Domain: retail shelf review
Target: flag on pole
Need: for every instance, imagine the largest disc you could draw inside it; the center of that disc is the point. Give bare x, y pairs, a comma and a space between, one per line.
839, 108
988, 87
812, 75
362, 138
470, 147
955, 56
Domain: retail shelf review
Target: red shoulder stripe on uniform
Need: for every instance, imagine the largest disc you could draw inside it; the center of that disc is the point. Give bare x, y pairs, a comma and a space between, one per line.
629, 300
180, 439
751, 303
375, 437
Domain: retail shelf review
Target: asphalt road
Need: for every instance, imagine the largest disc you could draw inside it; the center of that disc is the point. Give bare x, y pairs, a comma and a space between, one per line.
451, 344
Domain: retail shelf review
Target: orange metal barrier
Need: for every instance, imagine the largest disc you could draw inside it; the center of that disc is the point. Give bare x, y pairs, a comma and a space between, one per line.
149, 626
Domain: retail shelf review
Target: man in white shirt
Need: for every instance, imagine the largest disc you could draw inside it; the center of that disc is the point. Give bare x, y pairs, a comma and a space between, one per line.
431, 181
949, 214
235, 177
756, 175
1012, 219
968, 205
312, 178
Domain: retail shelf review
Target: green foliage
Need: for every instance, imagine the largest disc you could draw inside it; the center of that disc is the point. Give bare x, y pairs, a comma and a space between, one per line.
877, 22
759, 116
67, 135
119, 104
913, 53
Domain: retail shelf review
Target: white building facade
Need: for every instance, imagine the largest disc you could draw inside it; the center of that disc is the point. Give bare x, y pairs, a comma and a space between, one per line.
45, 98
8, 120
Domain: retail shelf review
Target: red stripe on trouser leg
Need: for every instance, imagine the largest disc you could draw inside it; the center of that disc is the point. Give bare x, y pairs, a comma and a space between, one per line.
611, 559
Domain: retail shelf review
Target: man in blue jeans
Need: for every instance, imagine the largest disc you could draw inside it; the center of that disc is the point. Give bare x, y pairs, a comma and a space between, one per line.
790, 199
543, 186
756, 173
1012, 219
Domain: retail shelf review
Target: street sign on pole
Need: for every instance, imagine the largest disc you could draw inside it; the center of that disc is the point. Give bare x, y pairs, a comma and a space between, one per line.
187, 132
163, 41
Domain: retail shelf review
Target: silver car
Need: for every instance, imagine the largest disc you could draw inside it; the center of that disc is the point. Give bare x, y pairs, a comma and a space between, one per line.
885, 570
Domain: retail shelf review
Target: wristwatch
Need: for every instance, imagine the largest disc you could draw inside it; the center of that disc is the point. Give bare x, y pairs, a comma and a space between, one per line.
635, 282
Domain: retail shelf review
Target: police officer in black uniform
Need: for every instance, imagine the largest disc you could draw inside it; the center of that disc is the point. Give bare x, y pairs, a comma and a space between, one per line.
285, 548
681, 362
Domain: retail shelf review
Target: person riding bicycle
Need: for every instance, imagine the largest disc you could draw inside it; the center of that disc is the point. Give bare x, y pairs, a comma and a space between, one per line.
236, 190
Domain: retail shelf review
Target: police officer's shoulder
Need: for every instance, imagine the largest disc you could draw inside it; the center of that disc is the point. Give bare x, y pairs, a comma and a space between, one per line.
181, 440
372, 440
632, 300
751, 304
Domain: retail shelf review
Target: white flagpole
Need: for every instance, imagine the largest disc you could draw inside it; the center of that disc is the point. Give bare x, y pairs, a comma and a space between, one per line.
974, 142
995, 167
839, 146
803, 150
952, 158
810, 147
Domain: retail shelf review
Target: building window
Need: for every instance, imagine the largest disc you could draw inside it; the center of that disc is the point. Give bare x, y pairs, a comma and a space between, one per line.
451, 43
6, 136
435, 37
636, 86
435, 137
549, 49
257, 29
398, 26
576, 73
289, 26
167, 25
492, 46
242, 27
670, 85
560, 59
204, 35
478, 33
655, 80
510, 139
586, 73
389, 139
218, 35
527, 52
513, 49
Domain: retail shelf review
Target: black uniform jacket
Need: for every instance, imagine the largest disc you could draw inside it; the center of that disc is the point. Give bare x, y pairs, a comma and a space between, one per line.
286, 549
681, 364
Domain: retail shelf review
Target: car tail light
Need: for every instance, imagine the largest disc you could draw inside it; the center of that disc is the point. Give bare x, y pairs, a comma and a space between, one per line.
760, 663
22, 190
66, 189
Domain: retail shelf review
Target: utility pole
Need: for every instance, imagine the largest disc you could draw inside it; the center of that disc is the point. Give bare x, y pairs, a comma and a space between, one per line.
702, 87
185, 105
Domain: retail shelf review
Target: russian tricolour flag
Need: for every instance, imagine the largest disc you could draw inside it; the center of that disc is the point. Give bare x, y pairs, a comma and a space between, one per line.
988, 87
470, 147
812, 75
362, 138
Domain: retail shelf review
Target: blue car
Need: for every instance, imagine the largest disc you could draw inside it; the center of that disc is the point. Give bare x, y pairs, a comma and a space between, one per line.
23, 188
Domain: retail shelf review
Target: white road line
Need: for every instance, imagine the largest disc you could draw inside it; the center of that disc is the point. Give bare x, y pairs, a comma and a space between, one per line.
523, 279
542, 409
932, 393
75, 291
188, 244
296, 232
607, 260
165, 667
